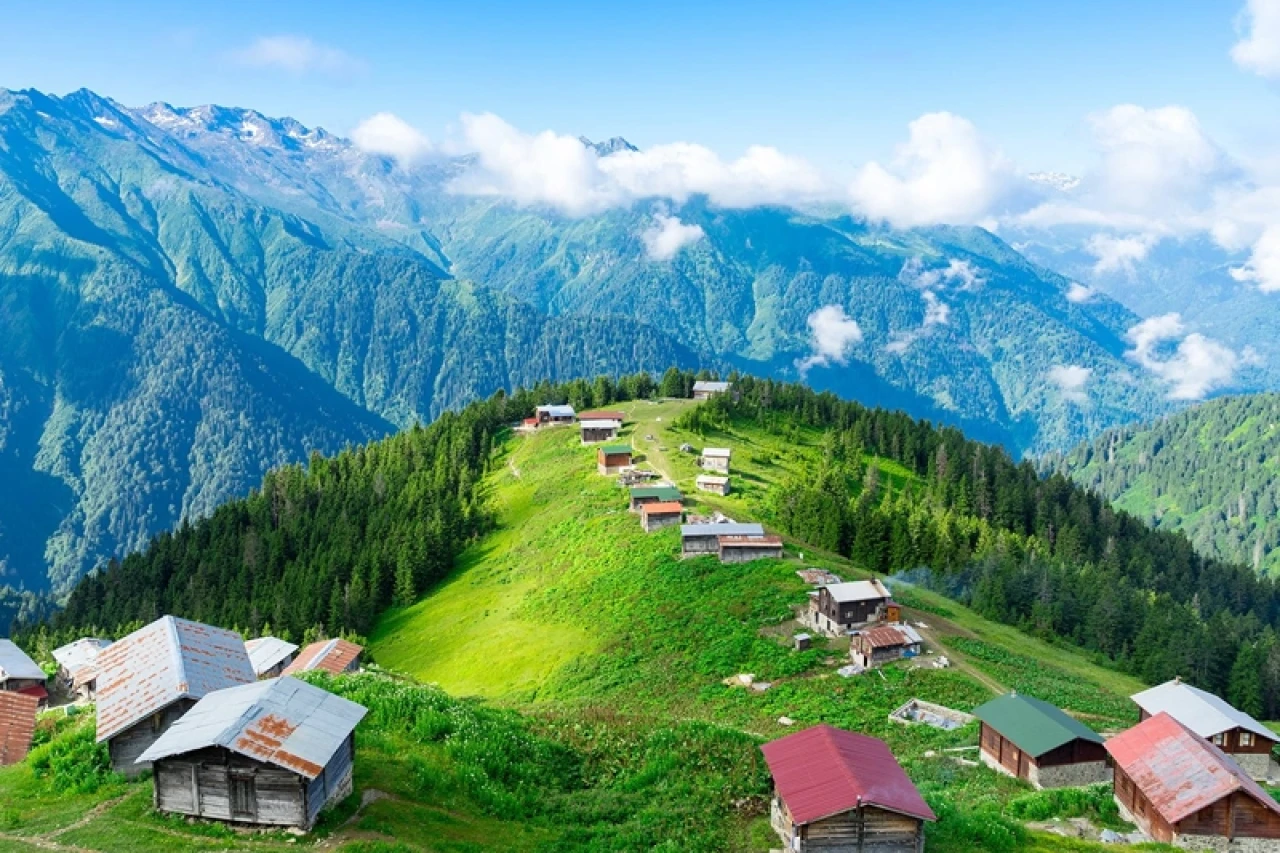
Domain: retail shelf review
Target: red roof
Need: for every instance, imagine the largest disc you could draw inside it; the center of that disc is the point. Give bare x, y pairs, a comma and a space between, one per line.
334, 656
662, 508
824, 771
530, 421
1179, 771
17, 725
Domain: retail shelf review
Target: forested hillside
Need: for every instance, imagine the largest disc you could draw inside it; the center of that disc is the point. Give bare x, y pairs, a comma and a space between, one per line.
1212, 472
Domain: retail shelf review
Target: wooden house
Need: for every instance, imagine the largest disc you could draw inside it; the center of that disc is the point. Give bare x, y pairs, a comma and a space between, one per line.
594, 432
712, 483
1180, 789
699, 539
715, 459
840, 792
744, 549
554, 415
641, 495
838, 608
19, 673
332, 656
703, 390
604, 415
613, 459
875, 646
17, 725
271, 753
149, 679
660, 514
77, 666
1029, 739
1233, 731
269, 655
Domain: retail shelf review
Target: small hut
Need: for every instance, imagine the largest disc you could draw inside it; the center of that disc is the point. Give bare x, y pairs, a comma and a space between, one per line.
554, 415
332, 656
272, 753
715, 459
596, 431
641, 495
744, 549
713, 484
269, 655
660, 514
77, 666
704, 390
17, 726
699, 539
884, 643
1033, 740
613, 459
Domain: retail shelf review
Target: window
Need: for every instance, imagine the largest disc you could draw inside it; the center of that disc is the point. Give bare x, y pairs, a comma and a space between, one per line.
1246, 738
1218, 739
244, 796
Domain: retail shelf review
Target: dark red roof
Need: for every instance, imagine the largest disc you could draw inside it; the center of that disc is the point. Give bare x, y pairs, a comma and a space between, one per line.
17, 725
824, 771
1179, 771
36, 690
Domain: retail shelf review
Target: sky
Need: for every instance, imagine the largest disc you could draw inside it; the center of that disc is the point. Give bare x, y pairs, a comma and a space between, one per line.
833, 82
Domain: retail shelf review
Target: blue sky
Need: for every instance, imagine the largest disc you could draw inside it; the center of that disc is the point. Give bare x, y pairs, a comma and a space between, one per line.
833, 82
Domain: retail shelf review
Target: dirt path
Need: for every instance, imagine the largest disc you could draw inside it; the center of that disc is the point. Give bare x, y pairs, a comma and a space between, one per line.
958, 660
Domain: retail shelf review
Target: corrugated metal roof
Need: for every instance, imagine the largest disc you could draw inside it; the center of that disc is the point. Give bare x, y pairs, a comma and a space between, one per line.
612, 449
1178, 770
17, 725
266, 652
750, 541
161, 663
1034, 726
15, 663
710, 480
557, 411
857, 591
326, 655
282, 721
687, 530
662, 493
824, 771
887, 636
662, 508
83, 652
717, 452
597, 424
713, 387
1198, 710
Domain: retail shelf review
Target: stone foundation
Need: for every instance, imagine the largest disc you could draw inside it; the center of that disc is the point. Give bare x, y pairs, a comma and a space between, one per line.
1255, 764
1070, 775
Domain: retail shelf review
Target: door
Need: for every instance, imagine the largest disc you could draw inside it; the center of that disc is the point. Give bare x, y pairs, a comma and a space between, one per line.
244, 796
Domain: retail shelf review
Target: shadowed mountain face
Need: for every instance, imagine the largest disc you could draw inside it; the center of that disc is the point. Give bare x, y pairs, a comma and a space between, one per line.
190, 296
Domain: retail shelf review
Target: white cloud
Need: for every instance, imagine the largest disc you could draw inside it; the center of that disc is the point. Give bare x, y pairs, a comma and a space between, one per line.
944, 173
1263, 266
936, 312
1259, 47
957, 272
1079, 293
1071, 380
1118, 254
389, 135
1192, 368
832, 334
667, 236
763, 175
297, 55
1151, 157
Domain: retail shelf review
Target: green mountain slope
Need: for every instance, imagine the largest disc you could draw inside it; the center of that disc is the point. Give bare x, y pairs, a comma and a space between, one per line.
1210, 472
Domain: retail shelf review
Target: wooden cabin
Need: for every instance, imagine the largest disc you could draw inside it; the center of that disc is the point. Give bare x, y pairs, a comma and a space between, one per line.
703, 390
148, 680
613, 459
1233, 731
699, 539
594, 432
77, 667
19, 673
641, 495
269, 655
880, 645
744, 549
713, 484
334, 656
838, 608
1180, 789
715, 459
554, 415
271, 753
1029, 739
17, 725
840, 792
660, 514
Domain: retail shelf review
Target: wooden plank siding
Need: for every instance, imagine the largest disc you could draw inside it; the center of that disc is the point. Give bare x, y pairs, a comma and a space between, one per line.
866, 830
127, 746
1234, 817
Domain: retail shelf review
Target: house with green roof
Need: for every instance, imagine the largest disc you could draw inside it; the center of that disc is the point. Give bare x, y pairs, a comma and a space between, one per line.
641, 495
613, 459
1029, 739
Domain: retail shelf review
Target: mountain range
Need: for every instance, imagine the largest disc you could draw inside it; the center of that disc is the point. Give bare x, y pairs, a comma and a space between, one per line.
190, 296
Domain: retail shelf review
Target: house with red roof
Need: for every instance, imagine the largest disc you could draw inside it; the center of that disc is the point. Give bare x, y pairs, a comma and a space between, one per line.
334, 656
1181, 789
838, 791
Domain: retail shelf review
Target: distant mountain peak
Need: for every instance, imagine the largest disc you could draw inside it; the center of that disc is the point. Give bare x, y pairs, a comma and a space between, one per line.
244, 125
611, 145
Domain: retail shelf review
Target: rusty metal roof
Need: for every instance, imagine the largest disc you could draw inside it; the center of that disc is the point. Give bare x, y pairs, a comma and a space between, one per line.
887, 636
281, 721
75, 656
750, 541
267, 652
1201, 711
325, 655
824, 771
157, 665
17, 725
1179, 771
14, 663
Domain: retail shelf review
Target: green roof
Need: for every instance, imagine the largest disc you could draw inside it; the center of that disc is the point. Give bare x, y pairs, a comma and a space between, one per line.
662, 493
1035, 727
609, 449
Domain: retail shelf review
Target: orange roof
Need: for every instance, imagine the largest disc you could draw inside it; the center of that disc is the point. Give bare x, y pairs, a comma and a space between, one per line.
662, 508
17, 725
328, 655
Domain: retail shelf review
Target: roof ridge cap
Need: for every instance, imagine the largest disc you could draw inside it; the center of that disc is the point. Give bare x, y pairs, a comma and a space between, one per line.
175, 649
829, 732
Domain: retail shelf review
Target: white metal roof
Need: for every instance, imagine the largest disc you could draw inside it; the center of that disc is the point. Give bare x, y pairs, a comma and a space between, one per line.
282, 721
267, 652
712, 480
600, 424
703, 385
77, 655
717, 452
1201, 711
721, 530
857, 591
557, 411
14, 663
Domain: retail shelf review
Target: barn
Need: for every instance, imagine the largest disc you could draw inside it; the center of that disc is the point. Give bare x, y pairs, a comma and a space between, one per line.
1033, 740
332, 656
1181, 789
699, 539
269, 655
271, 753
613, 458
840, 792
77, 666
1236, 733
660, 514
149, 679
744, 549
